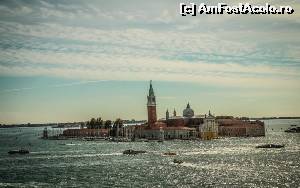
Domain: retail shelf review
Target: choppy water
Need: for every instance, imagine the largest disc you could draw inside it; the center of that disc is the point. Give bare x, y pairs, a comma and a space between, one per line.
229, 162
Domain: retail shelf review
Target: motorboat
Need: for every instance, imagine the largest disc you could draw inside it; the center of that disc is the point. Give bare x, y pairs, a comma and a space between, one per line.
21, 151
270, 146
177, 161
132, 152
170, 153
293, 129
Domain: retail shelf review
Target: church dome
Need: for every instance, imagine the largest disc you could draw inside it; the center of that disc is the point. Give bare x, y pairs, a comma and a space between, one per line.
188, 112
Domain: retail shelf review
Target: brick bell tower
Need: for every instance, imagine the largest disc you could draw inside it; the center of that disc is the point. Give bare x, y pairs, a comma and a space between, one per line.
151, 107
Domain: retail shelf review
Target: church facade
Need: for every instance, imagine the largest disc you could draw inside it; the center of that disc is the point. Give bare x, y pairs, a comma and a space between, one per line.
187, 126
209, 129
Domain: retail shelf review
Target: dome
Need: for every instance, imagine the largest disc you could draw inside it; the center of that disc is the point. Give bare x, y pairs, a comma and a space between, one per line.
188, 112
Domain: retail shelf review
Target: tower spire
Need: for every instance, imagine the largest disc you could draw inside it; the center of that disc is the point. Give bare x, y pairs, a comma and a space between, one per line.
167, 114
151, 96
151, 92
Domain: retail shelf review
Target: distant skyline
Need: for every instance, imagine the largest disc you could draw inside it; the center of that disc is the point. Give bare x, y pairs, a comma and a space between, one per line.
69, 62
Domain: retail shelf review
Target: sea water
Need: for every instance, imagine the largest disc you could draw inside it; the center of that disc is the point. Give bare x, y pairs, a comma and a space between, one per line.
225, 162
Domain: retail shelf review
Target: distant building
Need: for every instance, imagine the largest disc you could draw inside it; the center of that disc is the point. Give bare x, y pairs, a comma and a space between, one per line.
161, 129
187, 126
233, 127
206, 126
209, 129
86, 133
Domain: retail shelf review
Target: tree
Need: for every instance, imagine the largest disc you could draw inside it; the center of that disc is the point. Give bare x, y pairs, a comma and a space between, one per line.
117, 127
107, 124
93, 123
98, 123
118, 123
81, 125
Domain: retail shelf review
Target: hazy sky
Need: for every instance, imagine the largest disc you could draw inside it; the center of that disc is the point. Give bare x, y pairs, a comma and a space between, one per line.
70, 62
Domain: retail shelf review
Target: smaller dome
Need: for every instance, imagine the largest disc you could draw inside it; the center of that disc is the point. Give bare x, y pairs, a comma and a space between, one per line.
188, 112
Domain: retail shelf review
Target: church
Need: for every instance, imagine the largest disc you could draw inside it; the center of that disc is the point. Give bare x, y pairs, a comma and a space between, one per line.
187, 126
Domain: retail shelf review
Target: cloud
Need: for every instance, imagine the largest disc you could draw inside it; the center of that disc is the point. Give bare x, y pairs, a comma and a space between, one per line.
238, 53
53, 86
16, 89
248, 60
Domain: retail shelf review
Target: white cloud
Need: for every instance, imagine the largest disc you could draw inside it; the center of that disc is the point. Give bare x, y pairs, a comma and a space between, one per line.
249, 58
222, 57
54, 86
138, 54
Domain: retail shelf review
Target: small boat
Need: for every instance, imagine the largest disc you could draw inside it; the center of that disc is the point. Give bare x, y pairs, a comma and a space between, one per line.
270, 146
293, 129
170, 153
177, 161
21, 151
132, 152
89, 139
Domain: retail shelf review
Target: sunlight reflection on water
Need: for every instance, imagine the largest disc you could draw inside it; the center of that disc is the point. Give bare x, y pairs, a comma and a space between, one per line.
228, 162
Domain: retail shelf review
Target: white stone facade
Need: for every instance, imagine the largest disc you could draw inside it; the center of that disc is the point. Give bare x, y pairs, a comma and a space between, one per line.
209, 129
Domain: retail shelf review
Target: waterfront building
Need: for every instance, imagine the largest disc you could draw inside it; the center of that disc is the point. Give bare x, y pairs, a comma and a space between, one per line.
159, 130
86, 132
233, 127
187, 126
206, 126
209, 129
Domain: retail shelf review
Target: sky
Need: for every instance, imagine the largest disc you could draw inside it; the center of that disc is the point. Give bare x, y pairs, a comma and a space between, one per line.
65, 61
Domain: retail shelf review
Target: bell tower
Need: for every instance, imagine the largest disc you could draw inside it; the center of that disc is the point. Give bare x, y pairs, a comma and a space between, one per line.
151, 106
167, 114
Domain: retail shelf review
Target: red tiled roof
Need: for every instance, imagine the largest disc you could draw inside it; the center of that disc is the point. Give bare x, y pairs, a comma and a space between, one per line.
238, 123
171, 128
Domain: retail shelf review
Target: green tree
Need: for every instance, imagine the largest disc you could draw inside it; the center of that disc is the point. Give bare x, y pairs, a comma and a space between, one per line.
93, 123
107, 124
118, 123
98, 123
81, 125
88, 125
117, 127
